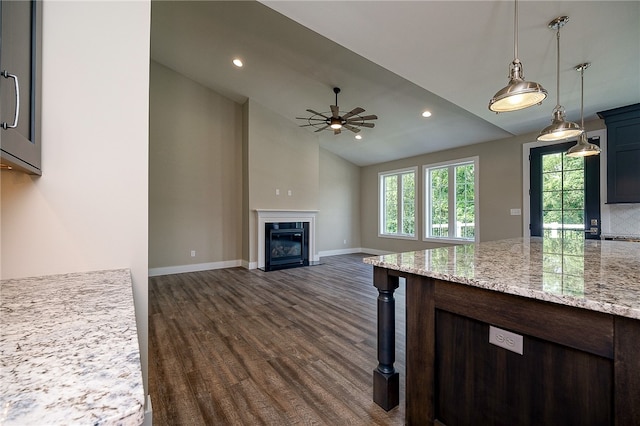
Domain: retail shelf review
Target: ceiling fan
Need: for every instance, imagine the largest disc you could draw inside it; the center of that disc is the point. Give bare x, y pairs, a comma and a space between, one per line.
351, 120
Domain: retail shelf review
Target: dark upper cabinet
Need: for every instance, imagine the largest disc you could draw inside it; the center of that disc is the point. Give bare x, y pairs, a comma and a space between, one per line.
20, 92
623, 154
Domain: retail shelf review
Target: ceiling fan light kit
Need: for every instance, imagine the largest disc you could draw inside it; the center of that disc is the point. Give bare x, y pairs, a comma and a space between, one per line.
559, 128
583, 148
351, 120
518, 94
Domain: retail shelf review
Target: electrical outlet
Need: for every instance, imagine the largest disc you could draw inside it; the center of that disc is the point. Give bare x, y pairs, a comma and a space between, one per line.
193, 253
277, 192
516, 212
289, 193
344, 242
506, 339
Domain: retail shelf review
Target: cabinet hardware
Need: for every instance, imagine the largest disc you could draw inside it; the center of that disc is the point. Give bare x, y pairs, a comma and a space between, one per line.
6, 125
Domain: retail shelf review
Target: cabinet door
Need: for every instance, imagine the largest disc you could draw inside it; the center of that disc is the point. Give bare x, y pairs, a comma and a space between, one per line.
20, 55
624, 155
478, 383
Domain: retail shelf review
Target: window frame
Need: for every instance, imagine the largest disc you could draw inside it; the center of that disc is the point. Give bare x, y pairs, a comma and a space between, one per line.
451, 165
381, 203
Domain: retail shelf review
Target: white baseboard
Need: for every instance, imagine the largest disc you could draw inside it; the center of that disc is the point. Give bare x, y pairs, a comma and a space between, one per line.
339, 251
148, 413
351, 251
196, 267
374, 252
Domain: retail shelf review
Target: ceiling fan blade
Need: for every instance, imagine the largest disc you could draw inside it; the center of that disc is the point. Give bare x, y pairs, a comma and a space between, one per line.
363, 124
336, 131
317, 113
362, 119
321, 129
353, 112
353, 129
311, 118
335, 111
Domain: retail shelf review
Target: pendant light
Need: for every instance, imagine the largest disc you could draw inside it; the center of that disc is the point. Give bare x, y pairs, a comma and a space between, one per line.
518, 94
583, 148
559, 128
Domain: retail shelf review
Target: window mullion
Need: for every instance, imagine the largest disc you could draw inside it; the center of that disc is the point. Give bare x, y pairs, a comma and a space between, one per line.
452, 201
400, 205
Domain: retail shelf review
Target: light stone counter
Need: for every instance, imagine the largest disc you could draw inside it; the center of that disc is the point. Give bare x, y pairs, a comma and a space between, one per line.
69, 351
601, 276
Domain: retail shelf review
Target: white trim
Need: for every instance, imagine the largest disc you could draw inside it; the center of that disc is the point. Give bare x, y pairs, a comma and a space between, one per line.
196, 267
270, 216
148, 412
337, 252
526, 177
375, 252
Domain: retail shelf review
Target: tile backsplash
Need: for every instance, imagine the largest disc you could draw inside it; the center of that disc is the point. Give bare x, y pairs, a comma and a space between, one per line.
621, 220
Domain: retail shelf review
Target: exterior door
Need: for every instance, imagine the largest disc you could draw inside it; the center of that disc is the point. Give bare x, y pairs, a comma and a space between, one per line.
564, 193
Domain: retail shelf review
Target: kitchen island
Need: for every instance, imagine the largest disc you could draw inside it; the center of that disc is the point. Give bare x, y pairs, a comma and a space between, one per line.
69, 351
563, 316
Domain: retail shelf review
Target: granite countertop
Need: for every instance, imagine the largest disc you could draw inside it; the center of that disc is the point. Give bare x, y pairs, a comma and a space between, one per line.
601, 276
69, 351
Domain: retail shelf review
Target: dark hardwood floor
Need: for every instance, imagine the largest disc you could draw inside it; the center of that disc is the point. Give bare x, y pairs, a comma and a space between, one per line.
290, 347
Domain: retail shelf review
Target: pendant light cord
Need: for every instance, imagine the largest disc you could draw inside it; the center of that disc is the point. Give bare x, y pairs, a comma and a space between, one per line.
558, 68
582, 97
515, 32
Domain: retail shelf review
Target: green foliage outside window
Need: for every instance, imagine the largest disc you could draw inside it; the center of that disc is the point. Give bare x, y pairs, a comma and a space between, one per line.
408, 203
465, 195
461, 203
391, 204
439, 225
399, 192
562, 192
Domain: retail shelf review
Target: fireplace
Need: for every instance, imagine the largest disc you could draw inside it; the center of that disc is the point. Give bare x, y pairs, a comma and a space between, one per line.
305, 218
286, 245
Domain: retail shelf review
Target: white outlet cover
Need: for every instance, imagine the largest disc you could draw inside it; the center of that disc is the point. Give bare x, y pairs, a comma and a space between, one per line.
516, 212
506, 339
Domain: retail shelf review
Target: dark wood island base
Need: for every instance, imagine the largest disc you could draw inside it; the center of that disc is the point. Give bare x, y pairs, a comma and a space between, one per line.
578, 366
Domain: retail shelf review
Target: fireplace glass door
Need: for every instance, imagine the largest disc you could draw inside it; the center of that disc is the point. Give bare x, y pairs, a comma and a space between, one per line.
286, 245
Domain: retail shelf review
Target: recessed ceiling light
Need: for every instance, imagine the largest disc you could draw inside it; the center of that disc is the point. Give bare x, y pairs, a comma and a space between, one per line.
426, 114
237, 62
358, 137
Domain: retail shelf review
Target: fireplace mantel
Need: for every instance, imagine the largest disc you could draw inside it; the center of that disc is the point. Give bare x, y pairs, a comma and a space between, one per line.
271, 216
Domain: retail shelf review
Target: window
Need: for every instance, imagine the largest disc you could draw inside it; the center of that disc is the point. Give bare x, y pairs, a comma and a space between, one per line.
451, 200
398, 203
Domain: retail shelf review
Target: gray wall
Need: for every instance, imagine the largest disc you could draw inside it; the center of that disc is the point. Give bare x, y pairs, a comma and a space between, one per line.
212, 162
339, 217
195, 172
500, 176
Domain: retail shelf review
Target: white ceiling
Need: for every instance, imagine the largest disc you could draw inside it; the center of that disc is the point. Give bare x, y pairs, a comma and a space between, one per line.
397, 58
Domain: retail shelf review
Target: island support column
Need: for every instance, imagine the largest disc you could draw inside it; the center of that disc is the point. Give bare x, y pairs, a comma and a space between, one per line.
386, 380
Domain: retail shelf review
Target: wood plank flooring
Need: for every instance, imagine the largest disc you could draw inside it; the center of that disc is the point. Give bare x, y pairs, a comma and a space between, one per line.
290, 347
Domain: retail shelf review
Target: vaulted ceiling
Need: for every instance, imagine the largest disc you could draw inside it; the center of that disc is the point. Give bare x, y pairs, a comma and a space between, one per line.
396, 59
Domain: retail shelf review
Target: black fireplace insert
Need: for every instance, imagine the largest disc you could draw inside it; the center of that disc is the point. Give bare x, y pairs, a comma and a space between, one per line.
286, 245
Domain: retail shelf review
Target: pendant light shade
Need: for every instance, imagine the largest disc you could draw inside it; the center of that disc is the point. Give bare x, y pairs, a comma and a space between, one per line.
559, 128
583, 148
518, 94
